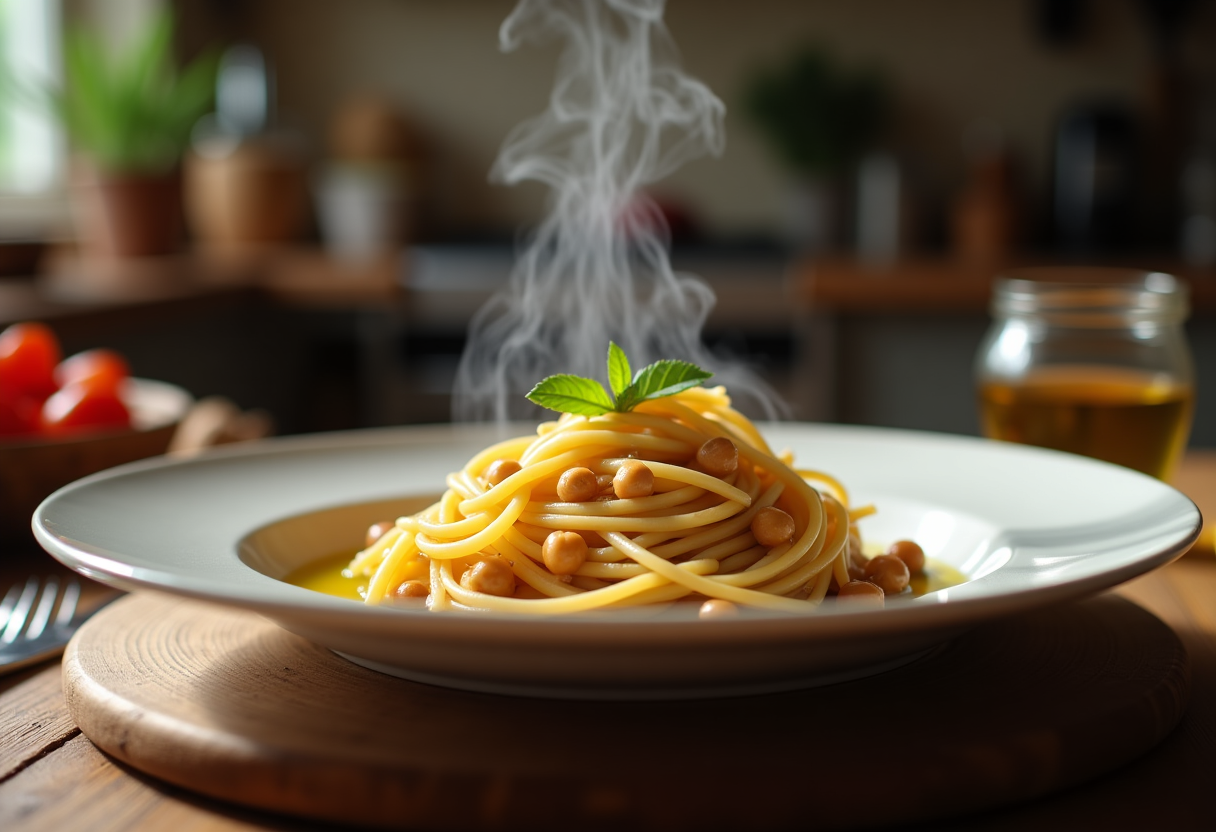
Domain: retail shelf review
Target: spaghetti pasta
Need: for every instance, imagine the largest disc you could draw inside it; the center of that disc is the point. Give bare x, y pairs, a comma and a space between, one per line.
687, 501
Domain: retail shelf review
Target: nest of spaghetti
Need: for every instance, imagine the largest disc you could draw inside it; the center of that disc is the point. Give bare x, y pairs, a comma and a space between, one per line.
678, 500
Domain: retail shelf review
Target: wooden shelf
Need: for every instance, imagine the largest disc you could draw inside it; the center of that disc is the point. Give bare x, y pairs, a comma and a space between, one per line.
72, 288
923, 286
309, 277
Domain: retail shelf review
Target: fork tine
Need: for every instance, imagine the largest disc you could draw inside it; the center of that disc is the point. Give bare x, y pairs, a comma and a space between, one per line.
46, 604
6, 606
67, 606
27, 638
16, 621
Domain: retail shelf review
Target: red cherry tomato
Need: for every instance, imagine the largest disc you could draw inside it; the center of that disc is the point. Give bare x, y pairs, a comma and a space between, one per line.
28, 355
20, 417
84, 406
99, 366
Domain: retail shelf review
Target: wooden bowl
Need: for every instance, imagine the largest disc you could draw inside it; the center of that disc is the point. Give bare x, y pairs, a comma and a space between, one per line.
30, 469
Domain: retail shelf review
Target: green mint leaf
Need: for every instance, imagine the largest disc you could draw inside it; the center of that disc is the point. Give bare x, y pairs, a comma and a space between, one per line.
619, 374
658, 380
571, 394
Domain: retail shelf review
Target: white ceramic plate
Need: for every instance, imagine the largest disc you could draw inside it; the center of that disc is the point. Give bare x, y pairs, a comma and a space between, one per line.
1027, 527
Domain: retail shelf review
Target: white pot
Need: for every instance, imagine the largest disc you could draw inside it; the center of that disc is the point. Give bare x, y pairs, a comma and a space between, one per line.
811, 215
363, 211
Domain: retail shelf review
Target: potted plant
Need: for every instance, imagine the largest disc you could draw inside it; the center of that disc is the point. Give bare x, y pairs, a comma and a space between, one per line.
128, 116
818, 120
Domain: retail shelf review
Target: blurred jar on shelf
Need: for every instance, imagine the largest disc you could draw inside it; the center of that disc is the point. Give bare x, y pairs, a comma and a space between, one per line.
246, 183
368, 189
1091, 361
984, 216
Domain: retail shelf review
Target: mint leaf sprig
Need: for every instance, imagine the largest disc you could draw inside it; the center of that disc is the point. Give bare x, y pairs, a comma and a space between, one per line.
587, 397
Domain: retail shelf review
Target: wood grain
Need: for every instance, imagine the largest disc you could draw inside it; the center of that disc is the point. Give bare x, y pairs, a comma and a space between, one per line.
1196, 478
229, 705
32, 723
1171, 787
82, 790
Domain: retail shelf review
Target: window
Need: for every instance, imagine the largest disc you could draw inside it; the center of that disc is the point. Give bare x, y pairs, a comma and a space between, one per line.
32, 157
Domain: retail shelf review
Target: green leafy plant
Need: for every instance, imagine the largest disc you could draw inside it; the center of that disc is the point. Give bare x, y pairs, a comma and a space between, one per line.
587, 397
816, 117
131, 111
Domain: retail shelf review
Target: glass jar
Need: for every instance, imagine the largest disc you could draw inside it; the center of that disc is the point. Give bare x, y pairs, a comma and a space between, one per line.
1090, 361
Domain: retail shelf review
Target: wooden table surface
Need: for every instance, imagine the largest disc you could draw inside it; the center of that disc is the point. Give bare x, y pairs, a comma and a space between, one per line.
52, 777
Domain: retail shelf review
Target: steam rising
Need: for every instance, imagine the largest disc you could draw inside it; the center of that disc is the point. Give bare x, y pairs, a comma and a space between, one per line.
621, 115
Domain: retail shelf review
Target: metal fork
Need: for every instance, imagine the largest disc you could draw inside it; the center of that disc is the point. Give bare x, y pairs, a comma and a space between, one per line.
37, 620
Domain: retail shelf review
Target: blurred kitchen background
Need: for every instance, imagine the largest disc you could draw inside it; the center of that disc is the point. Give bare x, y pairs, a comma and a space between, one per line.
884, 160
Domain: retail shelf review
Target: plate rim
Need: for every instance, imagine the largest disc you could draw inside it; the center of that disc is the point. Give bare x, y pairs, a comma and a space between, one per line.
834, 624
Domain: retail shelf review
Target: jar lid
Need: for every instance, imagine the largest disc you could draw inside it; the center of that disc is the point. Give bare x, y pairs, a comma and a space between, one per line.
1090, 296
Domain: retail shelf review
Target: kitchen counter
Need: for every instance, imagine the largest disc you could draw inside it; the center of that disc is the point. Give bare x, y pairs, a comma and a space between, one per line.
841, 340
895, 344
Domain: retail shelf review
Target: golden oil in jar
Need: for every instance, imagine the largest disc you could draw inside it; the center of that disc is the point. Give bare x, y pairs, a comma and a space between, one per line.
1092, 362
1129, 417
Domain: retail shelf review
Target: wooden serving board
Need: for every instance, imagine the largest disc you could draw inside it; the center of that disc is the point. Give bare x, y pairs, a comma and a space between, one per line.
228, 705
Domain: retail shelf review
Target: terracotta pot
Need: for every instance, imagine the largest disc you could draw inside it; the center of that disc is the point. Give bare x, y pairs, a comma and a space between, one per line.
253, 195
128, 214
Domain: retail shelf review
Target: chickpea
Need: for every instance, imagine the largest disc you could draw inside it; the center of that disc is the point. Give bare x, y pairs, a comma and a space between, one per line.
577, 485
378, 530
492, 576
410, 589
633, 479
910, 553
564, 552
862, 591
771, 527
717, 608
500, 469
889, 573
718, 457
